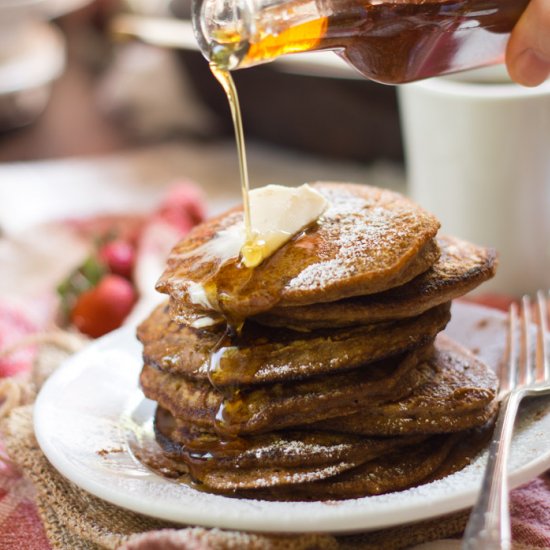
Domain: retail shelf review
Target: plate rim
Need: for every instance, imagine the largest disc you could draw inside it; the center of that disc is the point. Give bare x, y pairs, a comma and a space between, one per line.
354, 519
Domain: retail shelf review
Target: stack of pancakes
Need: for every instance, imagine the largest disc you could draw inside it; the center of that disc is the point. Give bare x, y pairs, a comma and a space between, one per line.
319, 374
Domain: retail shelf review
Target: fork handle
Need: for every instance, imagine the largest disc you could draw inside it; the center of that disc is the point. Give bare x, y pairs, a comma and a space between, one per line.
489, 524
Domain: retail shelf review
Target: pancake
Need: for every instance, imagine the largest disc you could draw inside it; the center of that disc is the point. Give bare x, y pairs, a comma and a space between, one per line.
400, 469
260, 355
319, 374
367, 241
296, 465
461, 267
171, 347
397, 470
278, 458
461, 394
465, 450
277, 406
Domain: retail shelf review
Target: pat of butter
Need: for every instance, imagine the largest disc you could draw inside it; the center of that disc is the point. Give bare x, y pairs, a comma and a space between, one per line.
277, 213
203, 322
197, 295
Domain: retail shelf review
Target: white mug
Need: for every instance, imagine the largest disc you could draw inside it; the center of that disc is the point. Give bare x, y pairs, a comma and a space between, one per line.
477, 148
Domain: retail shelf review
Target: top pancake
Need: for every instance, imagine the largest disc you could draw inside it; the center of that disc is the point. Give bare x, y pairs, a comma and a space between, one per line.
461, 267
368, 240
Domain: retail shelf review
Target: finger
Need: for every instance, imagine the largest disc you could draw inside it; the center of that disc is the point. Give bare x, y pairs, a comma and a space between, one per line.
528, 51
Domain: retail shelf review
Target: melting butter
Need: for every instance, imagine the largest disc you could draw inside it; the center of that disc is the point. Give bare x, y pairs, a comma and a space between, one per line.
277, 214
203, 322
197, 295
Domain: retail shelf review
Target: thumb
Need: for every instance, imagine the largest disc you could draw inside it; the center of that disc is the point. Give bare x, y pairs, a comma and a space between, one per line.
528, 51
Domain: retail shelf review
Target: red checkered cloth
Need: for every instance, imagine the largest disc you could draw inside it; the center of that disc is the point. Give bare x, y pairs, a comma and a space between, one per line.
20, 524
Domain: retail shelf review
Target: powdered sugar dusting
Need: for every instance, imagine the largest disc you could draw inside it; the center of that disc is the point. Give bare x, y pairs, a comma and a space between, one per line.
284, 476
364, 235
363, 243
300, 449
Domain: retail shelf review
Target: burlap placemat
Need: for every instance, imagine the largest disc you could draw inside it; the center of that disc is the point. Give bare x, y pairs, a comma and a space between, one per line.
74, 519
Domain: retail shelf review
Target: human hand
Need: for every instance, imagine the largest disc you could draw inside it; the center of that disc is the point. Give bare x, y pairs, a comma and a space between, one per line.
528, 51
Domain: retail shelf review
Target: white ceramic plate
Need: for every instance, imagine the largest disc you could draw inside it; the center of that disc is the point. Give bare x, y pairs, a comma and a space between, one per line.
91, 407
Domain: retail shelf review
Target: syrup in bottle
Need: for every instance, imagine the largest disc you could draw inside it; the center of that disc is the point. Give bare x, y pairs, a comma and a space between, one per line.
389, 41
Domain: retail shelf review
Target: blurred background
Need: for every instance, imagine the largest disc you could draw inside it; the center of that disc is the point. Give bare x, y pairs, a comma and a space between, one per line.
71, 85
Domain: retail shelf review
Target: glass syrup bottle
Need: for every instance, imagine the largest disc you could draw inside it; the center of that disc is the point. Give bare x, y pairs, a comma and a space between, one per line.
389, 41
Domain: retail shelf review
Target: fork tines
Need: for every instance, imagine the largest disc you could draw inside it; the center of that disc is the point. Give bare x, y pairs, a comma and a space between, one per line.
527, 357
543, 346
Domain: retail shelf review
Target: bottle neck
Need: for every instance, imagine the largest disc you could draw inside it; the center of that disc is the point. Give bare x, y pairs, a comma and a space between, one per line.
240, 33
223, 29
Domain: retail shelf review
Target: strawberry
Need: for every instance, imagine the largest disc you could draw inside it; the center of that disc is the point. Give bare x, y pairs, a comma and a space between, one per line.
81, 279
103, 308
119, 256
183, 206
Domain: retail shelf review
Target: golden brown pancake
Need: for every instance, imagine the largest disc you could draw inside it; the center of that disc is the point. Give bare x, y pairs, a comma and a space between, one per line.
296, 465
368, 240
460, 395
395, 471
276, 406
176, 348
399, 469
461, 267
261, 355
278, 458
465, 450
318, 374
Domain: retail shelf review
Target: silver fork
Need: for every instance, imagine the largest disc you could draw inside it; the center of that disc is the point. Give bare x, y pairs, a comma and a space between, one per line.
520, 376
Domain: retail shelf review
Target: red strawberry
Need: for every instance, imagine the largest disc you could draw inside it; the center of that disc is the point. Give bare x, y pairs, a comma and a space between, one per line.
183, 207
119, 256
104, 307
